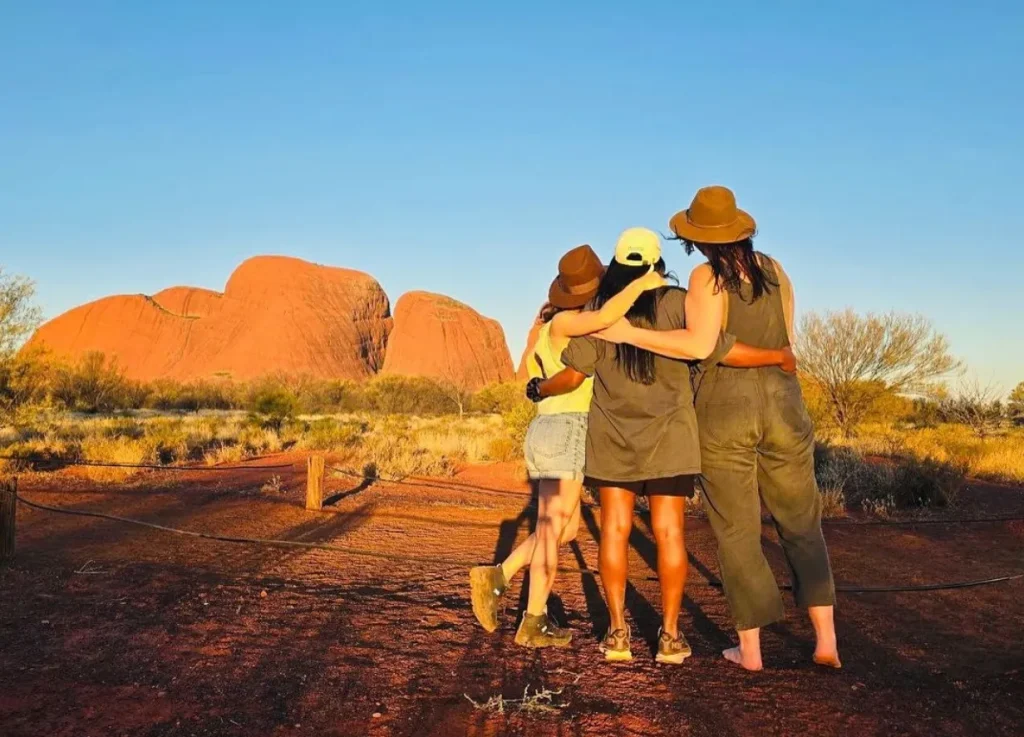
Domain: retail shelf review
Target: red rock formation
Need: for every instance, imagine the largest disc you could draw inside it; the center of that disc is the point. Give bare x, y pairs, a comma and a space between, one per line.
281, 315
439, 337
276, 315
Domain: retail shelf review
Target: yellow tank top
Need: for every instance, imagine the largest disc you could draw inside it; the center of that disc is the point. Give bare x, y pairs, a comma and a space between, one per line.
577, 400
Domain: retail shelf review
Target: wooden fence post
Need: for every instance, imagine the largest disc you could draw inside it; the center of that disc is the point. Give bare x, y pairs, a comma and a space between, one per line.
315, 482
8, 508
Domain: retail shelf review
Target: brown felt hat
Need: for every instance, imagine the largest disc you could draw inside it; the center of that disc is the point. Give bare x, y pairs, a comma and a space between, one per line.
713, 217
579, 276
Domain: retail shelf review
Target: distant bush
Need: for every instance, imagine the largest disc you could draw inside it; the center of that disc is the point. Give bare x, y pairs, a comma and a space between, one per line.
95, 384
498, 398
887, 483
272, 406
328, 434
190, 397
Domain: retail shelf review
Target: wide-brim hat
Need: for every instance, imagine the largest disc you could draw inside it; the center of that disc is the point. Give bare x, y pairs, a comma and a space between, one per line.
579, 276
713, 217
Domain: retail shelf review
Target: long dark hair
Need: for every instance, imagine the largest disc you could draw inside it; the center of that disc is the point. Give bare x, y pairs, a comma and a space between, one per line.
730, 262
548, 311
636, 362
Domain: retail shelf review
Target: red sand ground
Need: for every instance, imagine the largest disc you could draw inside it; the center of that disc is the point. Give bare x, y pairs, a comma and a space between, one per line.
107, 629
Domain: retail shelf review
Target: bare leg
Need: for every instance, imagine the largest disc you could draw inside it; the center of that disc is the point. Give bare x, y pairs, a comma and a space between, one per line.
827, 650
667, 520
748, 653
556, 501
521, 556
616, 524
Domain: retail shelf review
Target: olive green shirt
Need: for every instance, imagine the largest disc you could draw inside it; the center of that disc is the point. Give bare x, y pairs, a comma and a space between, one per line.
641, 431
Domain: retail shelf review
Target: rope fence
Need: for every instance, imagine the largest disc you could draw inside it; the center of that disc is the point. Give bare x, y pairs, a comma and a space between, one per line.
453, 563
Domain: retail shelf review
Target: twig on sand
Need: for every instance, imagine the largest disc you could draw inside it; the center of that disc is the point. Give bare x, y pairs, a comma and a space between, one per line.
86, 570
577, 677
541, 700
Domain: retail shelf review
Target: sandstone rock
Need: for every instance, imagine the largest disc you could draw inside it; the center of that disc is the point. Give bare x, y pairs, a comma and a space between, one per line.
284, 316
441, 338
277, 315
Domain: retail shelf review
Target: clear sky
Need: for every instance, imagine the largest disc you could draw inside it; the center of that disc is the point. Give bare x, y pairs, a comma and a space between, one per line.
462, 147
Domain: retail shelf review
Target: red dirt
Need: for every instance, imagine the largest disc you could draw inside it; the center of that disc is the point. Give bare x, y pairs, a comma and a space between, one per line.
442, 338
107, 629
281, 315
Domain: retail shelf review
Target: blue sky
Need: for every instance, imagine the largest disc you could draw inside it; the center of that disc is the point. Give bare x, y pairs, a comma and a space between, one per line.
461, 149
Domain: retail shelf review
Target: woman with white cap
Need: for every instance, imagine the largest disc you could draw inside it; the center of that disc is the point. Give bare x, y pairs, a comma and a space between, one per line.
554, 446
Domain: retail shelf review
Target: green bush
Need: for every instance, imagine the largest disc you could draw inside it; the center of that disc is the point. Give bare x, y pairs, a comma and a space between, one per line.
272, 406
329, 434
498, 398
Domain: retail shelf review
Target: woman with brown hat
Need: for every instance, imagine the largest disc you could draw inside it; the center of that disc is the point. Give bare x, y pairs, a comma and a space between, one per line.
554, 446
757, 441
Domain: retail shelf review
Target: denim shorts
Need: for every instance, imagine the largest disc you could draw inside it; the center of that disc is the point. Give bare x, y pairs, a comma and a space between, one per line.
556, 446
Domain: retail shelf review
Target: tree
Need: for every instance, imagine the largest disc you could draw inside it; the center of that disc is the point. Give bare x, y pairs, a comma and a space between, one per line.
854, 359
455, 387
19, 316
1015, 406
976, 406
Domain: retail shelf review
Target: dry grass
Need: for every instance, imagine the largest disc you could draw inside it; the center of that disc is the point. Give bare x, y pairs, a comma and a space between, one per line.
999, 457
392, 445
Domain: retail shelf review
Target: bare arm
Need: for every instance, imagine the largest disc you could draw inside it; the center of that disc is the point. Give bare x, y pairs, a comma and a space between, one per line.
583, 322
697, 341
747, 356
565, 381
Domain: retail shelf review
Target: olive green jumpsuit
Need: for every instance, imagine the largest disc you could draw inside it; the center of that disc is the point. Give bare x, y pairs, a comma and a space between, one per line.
756, 436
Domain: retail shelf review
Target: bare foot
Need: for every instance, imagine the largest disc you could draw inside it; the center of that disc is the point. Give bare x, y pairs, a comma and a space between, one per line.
828, 659
739, 657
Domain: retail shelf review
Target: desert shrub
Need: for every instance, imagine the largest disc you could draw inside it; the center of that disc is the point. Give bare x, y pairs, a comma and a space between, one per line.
189, 397
256, 439
833, 503
95, 384
517, 421
503, 449
906, 481
328, 396
407, 395
105, 449
399, 455
24, 387
329, 434
224, 454
272, 406
498, 398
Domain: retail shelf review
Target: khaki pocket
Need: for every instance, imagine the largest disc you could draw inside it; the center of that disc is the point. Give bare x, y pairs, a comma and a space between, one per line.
790, 407
726, 421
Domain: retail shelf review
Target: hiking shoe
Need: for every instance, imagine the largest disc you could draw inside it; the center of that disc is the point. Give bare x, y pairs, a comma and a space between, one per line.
487, 585
615, 646
671, 649
537, 630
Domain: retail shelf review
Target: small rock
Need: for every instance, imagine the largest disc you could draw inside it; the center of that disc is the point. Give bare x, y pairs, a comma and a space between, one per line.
263, 594
376, 715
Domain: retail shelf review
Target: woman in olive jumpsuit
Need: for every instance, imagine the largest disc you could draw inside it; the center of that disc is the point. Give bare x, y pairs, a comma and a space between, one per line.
757, 442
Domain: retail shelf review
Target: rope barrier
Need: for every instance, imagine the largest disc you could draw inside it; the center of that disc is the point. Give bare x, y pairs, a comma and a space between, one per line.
154, 466
463, 564
461, 486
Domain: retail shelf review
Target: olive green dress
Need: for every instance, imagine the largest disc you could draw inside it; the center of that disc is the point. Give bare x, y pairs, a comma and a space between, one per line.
757, 443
